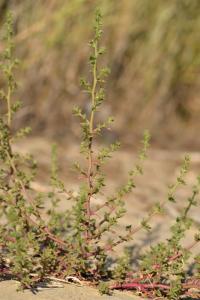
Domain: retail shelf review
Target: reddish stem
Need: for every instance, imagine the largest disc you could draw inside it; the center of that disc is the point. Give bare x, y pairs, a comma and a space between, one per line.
144, 286
140, 286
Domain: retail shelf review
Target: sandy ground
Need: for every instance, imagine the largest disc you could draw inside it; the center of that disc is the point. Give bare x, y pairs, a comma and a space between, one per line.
161, 169
68, 292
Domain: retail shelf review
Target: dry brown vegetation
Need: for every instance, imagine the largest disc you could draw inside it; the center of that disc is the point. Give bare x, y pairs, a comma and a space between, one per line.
153, 53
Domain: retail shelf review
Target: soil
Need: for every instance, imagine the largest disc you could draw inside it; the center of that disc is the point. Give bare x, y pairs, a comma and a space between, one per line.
67, 292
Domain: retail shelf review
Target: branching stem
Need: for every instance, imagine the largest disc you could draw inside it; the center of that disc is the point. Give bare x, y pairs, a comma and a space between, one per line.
8, 98
91, 135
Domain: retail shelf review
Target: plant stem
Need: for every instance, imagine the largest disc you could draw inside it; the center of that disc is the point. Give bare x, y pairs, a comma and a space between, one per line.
9, 106
91, 128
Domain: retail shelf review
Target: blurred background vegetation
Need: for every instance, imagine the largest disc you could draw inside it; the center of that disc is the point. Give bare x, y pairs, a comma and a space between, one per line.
153, 51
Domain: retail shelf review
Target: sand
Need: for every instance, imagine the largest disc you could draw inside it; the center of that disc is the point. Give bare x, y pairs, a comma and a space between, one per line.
8, 291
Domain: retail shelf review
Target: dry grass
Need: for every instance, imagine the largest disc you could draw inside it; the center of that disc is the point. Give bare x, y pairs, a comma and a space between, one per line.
153, 52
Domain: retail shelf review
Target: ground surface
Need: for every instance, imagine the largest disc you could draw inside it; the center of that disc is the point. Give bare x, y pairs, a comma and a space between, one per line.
68, 292
161, 169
